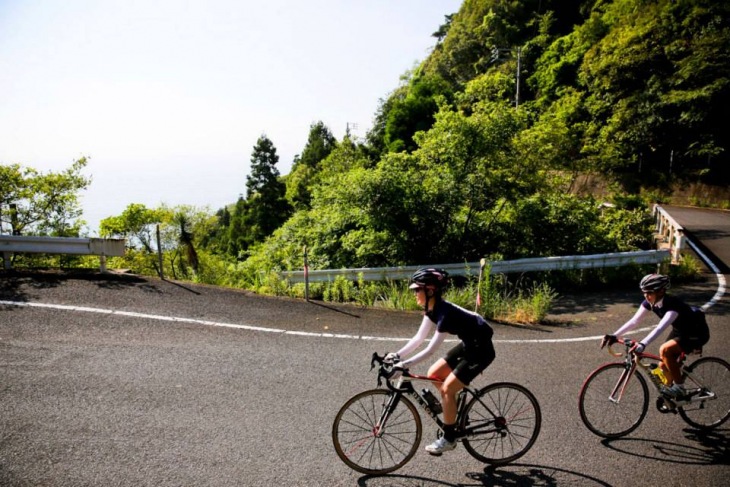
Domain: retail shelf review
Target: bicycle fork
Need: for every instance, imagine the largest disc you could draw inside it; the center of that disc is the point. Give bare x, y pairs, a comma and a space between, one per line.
618, 391
379, 426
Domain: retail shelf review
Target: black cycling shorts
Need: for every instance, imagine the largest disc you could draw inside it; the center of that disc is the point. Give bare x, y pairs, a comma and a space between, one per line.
697, 336
468, 362
688, 344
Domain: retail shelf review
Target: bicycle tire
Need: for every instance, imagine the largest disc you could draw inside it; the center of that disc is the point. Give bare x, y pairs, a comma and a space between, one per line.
713, 373
518, 423
607, 418
355, 439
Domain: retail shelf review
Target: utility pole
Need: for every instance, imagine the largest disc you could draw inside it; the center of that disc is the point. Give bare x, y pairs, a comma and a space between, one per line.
348, 126
519, 66
496, 51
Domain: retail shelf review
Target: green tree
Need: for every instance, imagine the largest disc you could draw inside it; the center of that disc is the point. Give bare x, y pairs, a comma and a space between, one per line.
137, 224
303, 175
433, 205
265, 207
35, 203
413, 110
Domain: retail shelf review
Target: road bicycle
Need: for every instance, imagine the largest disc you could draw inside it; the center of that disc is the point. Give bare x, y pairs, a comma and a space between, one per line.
379, 430
614, 398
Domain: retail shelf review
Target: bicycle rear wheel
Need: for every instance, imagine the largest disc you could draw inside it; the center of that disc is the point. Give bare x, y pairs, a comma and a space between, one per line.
712, 376
604, 409
376, 432
504, 420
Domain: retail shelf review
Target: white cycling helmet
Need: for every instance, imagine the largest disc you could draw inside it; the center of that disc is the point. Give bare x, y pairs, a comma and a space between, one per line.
654, 282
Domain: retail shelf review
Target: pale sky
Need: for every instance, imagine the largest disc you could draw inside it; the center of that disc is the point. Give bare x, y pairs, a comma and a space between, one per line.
168, 97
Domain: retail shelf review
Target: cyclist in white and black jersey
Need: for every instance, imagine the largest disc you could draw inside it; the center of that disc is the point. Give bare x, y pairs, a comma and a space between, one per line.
689, 328
462, 363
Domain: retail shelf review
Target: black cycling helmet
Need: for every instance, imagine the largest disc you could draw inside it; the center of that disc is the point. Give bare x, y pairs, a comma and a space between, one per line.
654, 282
430, 277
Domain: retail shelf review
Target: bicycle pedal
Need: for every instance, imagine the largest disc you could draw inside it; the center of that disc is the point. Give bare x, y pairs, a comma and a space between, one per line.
681, 401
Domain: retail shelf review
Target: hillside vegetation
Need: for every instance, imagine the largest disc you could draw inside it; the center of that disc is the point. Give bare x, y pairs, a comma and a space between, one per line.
483, 150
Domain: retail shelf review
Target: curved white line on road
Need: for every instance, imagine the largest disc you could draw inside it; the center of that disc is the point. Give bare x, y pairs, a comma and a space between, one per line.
720, 292
721, 283
178, 319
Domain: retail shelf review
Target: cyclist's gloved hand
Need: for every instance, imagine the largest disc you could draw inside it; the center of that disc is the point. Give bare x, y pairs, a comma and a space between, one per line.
397, 370
391, 357
608, 340
638, 347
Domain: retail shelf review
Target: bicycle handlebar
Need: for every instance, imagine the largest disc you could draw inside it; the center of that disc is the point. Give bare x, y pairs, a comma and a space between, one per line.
386, 372
628, 343
621, 341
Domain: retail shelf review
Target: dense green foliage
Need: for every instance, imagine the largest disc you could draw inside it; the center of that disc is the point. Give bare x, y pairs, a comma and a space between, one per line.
452, 170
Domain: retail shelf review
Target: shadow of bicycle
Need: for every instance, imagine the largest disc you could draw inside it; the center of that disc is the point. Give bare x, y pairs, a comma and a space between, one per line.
709, 448
513, 475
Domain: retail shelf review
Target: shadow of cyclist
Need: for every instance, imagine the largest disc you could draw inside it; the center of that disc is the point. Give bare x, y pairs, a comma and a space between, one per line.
712, 448
513, 475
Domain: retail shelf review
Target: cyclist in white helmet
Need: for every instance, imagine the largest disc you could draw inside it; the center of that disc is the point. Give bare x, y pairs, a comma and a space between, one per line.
689, 329
462, 363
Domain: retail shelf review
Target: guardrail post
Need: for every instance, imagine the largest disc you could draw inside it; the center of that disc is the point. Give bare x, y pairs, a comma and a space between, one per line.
670, 232
678, 245
7, 260
306, 275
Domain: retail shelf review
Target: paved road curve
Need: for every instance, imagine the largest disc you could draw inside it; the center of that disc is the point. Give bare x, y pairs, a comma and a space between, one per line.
141, 382
710, 228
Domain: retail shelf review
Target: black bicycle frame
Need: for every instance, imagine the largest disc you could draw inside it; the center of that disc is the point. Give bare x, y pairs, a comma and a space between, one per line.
487, 425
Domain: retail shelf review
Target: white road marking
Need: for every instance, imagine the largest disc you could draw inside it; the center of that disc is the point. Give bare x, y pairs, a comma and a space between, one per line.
178, 319
721, 283
718, 295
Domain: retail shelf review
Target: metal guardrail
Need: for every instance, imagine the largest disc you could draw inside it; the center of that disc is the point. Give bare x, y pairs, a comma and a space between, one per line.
103, 247
496, 267
669, 233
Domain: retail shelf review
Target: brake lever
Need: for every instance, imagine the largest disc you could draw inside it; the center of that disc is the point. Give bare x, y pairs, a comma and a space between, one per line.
375, 360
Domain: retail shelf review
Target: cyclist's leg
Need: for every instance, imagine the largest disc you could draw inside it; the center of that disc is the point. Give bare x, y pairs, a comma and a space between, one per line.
670, 352
474, 361
449, 389
439, 370
443, 370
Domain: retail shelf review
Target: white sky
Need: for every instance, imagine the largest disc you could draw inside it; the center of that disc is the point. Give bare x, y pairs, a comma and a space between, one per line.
168, 97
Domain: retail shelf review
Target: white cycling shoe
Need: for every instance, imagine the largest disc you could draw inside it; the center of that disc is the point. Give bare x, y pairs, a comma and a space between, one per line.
439, 446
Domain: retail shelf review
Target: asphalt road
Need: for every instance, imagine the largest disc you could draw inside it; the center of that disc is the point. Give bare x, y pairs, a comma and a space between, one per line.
142, 382
710, 229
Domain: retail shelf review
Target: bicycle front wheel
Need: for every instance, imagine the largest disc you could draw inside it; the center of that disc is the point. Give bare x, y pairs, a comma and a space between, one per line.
710, 407
501, 423
612, 405
377, 432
